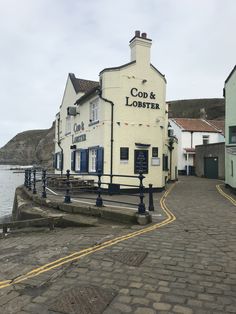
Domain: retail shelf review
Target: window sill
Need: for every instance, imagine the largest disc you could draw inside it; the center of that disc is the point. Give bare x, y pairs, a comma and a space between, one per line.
93, 123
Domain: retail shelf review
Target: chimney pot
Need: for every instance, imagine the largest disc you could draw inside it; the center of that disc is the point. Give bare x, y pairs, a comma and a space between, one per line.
137, 33
144, 35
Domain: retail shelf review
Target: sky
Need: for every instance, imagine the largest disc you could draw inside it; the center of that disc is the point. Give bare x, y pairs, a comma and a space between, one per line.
41, 41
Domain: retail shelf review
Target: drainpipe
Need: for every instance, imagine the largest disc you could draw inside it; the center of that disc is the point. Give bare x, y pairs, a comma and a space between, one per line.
191, 139
59, 143
112, 131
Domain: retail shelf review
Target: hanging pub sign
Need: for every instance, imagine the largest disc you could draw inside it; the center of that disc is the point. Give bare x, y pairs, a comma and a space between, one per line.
140, 161
140, 96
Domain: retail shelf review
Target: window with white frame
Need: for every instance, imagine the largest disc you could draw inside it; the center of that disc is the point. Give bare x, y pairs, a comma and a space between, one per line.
92, 159
58, 161
68, 125
205, 139
77, 160
94, 111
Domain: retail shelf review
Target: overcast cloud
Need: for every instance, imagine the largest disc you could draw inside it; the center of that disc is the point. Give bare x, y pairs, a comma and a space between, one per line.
43, 40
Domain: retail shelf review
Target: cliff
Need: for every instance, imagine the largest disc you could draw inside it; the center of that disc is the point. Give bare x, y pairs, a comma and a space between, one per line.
29, 148
209, 108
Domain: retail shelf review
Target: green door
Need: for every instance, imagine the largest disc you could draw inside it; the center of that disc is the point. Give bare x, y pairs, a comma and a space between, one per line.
211, 167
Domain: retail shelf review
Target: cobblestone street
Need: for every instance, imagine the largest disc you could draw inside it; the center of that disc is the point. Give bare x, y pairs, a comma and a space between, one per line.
187, 266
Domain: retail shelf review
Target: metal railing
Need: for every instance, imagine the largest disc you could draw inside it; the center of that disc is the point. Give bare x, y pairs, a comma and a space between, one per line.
32, 177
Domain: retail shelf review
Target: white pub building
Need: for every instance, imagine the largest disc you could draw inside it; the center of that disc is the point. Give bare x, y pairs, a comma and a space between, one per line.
118, 125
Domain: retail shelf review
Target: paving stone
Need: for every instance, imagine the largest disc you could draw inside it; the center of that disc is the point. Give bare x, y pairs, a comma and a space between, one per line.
206, 297
39, 299
162, 306
194, 303
182, 309
164, 289
231, 309
124, 291
144, 310
213, 306
141, 301
124, 299
137, 292
124, 308
170, 298
154, 296
135, 285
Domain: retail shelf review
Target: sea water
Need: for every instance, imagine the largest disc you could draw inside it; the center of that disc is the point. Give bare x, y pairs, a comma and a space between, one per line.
9, 180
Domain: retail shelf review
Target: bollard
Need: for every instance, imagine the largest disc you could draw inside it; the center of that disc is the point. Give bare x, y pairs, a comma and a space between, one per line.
44, 193
34, 182
67, 196
99, 202
29, 180
141, 205
151, 206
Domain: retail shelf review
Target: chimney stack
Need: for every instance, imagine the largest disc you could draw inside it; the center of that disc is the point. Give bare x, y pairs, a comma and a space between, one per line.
140, 48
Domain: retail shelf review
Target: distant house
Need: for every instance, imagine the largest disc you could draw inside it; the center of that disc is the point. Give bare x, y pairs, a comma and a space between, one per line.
230, 129
192, 132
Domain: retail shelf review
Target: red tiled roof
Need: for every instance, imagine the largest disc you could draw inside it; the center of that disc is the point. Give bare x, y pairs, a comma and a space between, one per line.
218, 124
81, 85
195, 125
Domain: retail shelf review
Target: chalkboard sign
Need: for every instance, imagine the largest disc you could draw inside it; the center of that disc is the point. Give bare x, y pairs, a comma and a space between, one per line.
140, 161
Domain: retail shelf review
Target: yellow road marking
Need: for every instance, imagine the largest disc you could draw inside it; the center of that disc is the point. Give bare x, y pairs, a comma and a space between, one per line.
77, 255
230, 198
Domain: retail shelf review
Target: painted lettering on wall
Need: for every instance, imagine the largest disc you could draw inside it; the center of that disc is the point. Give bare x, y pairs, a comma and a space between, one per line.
78, 127
139, 103
79, 138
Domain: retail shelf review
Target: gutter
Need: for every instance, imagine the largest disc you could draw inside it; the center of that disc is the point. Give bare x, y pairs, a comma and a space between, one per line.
59, 143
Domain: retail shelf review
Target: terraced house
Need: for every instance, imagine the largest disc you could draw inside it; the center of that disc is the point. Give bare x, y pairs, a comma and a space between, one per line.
118, 125
230, 129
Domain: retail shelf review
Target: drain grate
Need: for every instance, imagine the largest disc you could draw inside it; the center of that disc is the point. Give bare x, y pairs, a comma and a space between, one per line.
83, 300
129, 258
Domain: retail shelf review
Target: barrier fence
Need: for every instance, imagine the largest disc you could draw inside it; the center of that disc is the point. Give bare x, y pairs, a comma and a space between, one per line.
33, 176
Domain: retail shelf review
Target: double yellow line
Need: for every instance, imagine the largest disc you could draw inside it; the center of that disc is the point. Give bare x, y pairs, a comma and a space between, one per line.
230, 198
77, 255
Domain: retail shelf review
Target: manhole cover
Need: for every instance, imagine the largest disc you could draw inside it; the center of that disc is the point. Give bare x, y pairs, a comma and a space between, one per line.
129, 258
83, 300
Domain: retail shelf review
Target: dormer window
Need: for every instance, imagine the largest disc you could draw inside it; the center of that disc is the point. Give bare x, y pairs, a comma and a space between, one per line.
94, 111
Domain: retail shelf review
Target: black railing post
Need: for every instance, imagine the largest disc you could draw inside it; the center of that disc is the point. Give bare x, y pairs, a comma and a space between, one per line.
150, 192
34, 182
141, 205
44, 175
99, 202
67, 196
29, 180
26, 178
